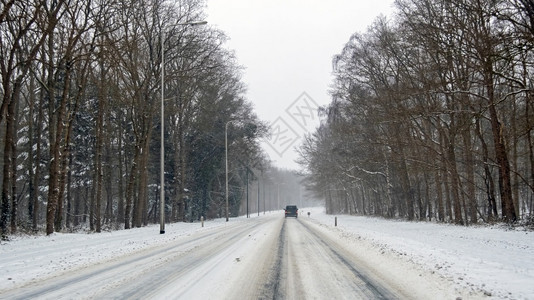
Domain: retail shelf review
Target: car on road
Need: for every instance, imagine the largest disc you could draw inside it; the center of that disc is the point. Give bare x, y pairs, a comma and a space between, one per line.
292, 211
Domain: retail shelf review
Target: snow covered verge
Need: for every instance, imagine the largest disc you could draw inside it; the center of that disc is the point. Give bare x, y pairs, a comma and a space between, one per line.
27, 258
488, 262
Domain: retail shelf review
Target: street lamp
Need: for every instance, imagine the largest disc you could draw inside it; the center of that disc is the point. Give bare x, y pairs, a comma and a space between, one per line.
162, 146
226, 162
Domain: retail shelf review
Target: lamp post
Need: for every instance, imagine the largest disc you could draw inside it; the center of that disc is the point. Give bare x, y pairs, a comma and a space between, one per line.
226, 162
162, 145
248, 215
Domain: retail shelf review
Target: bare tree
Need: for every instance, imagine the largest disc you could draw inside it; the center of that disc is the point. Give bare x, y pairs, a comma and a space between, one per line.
21, 40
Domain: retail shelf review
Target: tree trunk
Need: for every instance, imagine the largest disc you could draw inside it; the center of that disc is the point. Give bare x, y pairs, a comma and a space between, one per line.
121, 167
470, 177
14, 196
439, 193
455, 185
53, 189
130, 189
108, 178
54, 151
428, 203
76, 216
142, 208
407, 194
7, 178
389, 193
59, 157
31, 141
98, 150
68, 217
37, 176
488, 178
66, 156
182, 170
530, 150
515, 158
508, 210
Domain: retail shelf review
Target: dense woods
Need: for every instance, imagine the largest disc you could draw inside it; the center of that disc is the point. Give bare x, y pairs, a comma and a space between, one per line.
80, 115
432, 116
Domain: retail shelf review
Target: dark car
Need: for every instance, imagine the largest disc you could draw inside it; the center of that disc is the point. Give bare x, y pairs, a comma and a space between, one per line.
292, 211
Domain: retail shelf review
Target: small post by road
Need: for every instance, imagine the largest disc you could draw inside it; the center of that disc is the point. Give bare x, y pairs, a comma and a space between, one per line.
335, 221
202, 220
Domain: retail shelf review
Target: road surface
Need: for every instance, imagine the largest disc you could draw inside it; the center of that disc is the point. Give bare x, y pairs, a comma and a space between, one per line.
267, 257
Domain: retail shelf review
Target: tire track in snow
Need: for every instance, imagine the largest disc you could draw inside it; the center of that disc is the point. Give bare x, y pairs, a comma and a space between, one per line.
274, 288
310, 265
341, 259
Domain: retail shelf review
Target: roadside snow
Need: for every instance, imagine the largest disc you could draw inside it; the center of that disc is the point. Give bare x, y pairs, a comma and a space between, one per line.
28, 258
484, 260
487, 260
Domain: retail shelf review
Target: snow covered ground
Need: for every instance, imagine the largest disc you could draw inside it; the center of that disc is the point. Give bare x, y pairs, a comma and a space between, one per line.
487, 262
493, 260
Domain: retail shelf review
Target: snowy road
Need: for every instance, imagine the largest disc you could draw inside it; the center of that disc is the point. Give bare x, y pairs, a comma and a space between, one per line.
267, 257
313, 266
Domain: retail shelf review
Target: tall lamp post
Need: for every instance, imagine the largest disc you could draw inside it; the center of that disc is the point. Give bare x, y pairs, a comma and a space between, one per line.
162, 146
226, 162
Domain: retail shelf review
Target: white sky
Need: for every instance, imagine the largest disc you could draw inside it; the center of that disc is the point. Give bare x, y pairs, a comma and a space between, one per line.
286, 48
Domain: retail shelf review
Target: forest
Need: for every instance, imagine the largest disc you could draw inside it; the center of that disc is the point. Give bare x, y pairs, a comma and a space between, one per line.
431, 116
88, 86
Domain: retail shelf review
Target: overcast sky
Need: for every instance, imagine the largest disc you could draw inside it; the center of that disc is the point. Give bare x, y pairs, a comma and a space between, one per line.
286, 48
